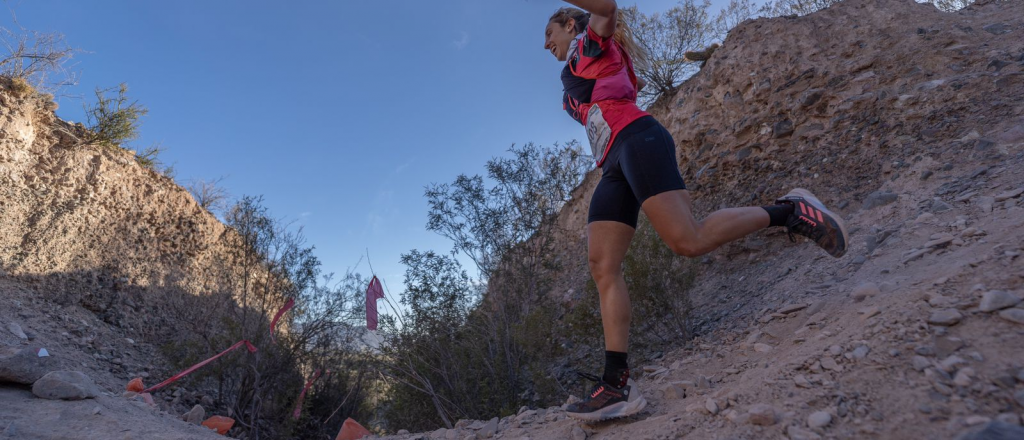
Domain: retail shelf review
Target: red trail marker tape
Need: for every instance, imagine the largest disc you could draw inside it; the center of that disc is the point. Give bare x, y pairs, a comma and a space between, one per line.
195, 367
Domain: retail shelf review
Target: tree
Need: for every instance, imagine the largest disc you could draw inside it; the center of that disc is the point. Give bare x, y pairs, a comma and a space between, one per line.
529, 189
666, 37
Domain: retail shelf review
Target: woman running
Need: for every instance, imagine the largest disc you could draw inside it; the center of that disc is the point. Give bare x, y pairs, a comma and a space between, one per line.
638, 164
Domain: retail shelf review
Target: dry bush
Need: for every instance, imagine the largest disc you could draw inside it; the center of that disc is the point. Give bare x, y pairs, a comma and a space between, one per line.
209, 194
38, 58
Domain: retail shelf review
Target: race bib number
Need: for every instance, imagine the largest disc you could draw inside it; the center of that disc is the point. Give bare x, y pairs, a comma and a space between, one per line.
598, 132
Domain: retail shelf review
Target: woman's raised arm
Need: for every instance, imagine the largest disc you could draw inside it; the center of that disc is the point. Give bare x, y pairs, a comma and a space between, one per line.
602, 14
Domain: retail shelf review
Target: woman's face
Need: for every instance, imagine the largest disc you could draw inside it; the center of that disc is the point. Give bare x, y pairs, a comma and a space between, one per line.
557, 38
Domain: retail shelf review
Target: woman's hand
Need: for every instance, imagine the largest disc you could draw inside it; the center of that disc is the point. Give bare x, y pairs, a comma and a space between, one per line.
602, 15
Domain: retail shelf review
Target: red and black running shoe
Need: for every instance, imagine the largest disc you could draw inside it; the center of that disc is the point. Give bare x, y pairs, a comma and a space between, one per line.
606, 402
813, 220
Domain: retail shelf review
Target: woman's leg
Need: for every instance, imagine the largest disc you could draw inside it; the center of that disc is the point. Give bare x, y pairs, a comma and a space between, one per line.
672, 217
607, 243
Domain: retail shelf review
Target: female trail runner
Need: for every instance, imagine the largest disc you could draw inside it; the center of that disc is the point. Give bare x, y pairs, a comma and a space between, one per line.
638, 164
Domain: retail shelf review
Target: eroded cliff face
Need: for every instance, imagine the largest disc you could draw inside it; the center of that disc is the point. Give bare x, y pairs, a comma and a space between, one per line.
67, 208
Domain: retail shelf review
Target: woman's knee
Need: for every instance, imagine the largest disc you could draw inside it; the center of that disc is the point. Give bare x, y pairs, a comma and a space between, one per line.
602, 268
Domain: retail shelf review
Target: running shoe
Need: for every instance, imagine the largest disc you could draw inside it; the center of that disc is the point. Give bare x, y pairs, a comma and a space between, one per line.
811, 219
606, 401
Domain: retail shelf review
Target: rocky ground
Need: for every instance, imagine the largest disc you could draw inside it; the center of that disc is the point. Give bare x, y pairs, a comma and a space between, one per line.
909, 121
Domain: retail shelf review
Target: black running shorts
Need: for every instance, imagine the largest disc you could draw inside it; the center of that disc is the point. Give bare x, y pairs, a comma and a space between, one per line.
640, 164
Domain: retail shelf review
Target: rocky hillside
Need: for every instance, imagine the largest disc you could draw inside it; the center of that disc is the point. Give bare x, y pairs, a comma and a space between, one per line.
911, 122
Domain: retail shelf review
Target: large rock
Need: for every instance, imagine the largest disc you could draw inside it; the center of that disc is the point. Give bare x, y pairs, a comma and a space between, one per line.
945, 317
1013, 315
23, 365
65, 385
997, 300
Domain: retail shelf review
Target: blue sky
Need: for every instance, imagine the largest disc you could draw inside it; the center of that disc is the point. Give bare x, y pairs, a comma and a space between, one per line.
338, 113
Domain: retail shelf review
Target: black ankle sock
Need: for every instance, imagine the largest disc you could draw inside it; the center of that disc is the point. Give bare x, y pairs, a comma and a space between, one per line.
616, 370
778, 213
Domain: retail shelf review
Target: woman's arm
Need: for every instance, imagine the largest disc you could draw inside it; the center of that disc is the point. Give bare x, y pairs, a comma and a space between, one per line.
602, 14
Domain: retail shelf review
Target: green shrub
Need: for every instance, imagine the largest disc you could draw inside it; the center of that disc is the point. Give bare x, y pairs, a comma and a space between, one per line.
114, 121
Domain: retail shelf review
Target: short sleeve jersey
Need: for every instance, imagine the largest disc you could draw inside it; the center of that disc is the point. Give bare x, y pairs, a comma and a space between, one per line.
599, 89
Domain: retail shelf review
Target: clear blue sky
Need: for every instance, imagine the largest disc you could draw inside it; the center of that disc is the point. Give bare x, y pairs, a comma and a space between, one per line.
339, 113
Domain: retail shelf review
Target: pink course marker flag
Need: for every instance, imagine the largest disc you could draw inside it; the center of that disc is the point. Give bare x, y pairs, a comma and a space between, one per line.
373, 293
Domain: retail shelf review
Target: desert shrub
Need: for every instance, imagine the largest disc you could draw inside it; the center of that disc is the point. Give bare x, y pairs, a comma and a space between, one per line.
209, 194
267, 264
38, 59
456, 352
114, 120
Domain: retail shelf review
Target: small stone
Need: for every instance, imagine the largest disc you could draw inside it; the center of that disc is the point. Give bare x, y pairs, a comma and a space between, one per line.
16, 330
976, 420
819, 419
711, 406
951, 363
945, 317
997, 300
65, 385
879, 198
861, 351
761, 347
942, 239
864, 291
920, 363
792, 308
963, 377
986, 204
782, 129
761, 414
195, 416
947, 345
830, 364
489, 429
801, 381
796, 433
577, 433
96, 410
1009, 194
938, 206
674, 391
1013, 315
703, 382
869, 312
835, 350
925, 350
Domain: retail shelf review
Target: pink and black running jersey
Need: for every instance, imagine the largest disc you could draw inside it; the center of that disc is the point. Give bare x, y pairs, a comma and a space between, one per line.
600, 89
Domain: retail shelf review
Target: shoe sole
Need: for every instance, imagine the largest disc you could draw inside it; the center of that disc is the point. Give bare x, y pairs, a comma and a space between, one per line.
810, 198
616, 411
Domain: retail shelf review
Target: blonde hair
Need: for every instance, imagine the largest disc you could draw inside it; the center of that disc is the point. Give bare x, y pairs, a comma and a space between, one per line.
623, 33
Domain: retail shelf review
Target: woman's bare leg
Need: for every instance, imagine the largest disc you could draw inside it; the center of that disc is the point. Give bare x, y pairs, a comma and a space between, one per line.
607, 243
672, 217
